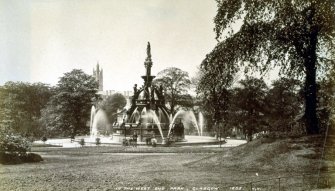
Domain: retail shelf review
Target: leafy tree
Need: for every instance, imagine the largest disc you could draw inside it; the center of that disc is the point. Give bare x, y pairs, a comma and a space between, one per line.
53, 119
326, 101
21, 105
283, 104
297, 36
176, 83
68, 110
215, 103
249, 105
112, 104
215, 97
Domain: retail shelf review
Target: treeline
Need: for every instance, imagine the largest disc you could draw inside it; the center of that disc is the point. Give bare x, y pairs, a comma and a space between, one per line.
252, 107
297, 37
37, 110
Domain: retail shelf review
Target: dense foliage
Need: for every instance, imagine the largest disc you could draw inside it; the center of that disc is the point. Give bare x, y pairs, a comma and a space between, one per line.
68, 111
20, 105
297, 36
284, 105
251, 107
14, 148
249, 103
112, 104
326, 101
176, 83
13, 143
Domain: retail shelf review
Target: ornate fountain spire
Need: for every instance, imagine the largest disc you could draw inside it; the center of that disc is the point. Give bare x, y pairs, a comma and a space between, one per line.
148, 52
148, 61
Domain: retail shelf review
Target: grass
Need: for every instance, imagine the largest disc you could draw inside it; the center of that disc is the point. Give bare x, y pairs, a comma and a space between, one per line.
113, 168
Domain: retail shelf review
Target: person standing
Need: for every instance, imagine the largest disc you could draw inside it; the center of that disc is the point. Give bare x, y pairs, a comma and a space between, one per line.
135, 139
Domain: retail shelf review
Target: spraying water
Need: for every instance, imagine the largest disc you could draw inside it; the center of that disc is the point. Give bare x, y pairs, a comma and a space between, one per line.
92, 118
100, 123
151, 115
179, 114
201, 122
144, 111
186, 116
135, 116
190, 115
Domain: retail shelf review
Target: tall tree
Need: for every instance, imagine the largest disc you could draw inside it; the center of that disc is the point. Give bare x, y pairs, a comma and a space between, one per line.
112, 104
214, 104
214, 90
21, 105
326, 101
249, 103
297, 36
283, 104
68, 111
176, 83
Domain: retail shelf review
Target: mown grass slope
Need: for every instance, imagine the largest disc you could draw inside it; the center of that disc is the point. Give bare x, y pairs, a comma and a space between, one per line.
111, 168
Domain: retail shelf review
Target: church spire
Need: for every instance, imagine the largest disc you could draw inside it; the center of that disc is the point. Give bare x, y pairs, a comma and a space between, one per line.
98, 75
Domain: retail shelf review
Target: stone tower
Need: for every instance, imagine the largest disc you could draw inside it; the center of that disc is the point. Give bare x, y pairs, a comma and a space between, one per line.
98, 75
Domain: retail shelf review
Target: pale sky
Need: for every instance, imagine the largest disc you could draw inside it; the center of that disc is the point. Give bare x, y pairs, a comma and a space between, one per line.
42, 39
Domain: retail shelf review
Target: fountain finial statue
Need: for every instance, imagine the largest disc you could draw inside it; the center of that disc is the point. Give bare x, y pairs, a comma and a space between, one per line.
148, 65
148, 51
148, 59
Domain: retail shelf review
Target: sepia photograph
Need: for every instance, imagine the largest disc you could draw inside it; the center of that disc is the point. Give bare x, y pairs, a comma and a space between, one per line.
167, 95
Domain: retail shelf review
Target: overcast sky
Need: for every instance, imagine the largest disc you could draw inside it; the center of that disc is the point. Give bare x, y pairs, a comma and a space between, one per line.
42, 39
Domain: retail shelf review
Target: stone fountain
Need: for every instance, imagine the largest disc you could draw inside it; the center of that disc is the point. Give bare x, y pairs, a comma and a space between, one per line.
148, 115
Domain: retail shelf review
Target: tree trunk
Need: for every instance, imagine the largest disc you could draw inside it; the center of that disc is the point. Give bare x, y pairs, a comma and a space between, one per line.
311, 119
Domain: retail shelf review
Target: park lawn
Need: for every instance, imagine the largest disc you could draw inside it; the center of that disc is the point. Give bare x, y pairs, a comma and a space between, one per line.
110, 168
113, 168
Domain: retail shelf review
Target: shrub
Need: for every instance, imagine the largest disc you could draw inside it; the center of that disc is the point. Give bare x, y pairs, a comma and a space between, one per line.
31, 157
280, 135
13, 149
9, 158
125, 142
72, 138
44, 139
82, 142
97, 141
11, 143
14, 158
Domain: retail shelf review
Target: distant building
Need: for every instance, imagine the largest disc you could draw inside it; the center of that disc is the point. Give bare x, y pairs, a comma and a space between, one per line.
98, 75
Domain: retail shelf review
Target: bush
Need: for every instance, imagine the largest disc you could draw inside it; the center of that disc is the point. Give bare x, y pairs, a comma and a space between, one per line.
9, 158
13, 149
82, 142
72, 138
14, 158
97, 141
11, 143
125, 142
44, 139
31, 157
